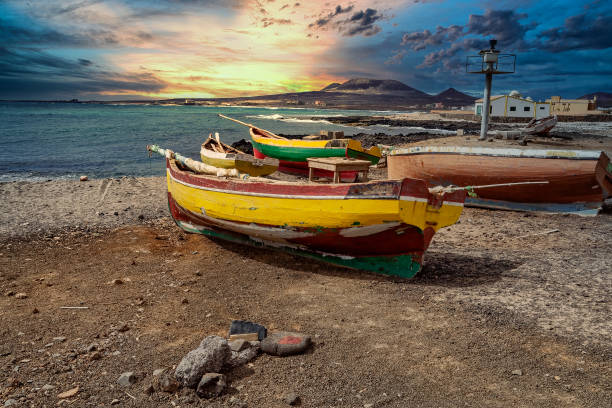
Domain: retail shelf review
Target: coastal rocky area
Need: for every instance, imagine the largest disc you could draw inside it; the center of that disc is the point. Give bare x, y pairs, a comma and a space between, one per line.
99, 291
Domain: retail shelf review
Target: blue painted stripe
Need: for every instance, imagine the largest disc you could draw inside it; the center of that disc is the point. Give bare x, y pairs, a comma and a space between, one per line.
583, 209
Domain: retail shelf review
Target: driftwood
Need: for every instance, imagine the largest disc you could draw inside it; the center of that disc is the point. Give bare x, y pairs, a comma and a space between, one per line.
196, 166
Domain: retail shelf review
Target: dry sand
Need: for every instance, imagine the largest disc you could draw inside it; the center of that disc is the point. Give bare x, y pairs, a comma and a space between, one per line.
498, 294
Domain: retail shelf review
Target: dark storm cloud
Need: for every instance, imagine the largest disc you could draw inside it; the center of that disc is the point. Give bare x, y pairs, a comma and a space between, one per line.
359, 23
421, 40
32, 73
362, 22
323, 21
504, 25
24, 36
579, 32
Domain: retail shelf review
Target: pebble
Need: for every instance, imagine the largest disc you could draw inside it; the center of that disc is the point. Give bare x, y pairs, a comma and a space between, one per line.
211, 385
185, 301
67, 394
115, 402
59, 339
285, 343
35, 311
209, 357
83, 178
117, 282
21, 295
126, 379
9, 402
517, 372
292, 399
47, 387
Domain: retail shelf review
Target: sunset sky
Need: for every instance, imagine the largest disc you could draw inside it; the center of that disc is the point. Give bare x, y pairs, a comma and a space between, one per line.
130, 49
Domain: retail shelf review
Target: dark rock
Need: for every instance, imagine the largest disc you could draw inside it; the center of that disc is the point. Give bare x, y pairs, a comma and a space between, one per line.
244, 146
285, 343
165, 381
211, 385
249, 351
243, 327
210, 356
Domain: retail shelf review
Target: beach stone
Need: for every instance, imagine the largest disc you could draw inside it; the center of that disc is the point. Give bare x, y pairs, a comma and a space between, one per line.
126, 379
47, 387
238, 345
83, 178
250, 350
244, 327
9, 402
209, 357
165, 381
21, 295
285, 343
292, 399
211, 385
517, 372
115, 402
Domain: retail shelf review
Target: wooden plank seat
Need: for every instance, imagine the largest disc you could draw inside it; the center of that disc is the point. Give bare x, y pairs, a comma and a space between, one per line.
338, 165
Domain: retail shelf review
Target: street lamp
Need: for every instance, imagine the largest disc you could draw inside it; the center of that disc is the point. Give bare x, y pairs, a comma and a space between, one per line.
489, 62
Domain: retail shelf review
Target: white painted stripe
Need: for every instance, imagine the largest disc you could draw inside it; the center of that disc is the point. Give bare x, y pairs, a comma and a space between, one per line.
500, 152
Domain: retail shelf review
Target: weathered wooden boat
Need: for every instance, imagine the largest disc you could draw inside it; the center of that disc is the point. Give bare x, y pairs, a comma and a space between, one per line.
379, 226
578, 180
540, 126
218, 154
293, 153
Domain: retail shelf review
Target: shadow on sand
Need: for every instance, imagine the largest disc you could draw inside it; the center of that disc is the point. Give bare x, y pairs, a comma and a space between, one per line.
441, 269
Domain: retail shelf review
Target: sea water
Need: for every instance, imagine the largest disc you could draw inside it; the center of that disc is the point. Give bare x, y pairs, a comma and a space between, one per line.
42, 140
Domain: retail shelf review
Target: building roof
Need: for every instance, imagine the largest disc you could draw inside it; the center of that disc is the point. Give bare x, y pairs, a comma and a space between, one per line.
494, 97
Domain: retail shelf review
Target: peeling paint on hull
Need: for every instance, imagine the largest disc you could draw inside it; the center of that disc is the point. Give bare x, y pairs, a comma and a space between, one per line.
379, 226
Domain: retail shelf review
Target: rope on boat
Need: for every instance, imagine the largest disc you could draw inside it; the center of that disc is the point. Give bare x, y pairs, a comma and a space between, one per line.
470, 189
196, 166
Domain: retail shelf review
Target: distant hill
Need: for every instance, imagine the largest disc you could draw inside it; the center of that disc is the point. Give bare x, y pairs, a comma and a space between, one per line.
376, 86
604, 99
455, 98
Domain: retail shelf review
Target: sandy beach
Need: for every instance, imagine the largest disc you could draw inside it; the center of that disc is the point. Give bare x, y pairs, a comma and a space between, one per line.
511, 309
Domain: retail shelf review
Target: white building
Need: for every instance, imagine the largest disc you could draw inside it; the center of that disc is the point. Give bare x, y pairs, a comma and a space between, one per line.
514, 105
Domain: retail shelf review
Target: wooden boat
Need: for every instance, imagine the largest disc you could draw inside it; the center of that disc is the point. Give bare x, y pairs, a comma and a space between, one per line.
293, 153
578, 180
218, 154
379, 226
540, 126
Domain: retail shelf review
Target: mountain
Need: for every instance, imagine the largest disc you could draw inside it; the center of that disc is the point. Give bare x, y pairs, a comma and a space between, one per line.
331, 87
604, 99
376, 86
455, 98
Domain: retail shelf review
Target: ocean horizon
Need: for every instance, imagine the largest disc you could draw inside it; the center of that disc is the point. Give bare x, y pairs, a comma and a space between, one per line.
44, 140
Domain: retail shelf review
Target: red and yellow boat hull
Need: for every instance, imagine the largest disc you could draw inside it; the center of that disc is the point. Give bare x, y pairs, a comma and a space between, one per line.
379, 226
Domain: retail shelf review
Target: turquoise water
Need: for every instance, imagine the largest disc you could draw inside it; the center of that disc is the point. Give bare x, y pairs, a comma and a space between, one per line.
40, 141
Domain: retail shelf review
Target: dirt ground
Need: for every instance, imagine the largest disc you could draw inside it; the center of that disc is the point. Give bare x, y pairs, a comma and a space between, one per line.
511, 309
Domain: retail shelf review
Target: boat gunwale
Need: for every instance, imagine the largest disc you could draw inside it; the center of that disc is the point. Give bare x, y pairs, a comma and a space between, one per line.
502, 152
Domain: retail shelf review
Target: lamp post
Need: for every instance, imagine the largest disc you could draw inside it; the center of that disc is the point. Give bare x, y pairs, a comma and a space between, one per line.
489, 62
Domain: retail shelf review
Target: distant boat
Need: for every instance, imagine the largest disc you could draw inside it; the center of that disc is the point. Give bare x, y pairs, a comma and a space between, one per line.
379, 226
293, 153
218, 154
578, 180
540, 126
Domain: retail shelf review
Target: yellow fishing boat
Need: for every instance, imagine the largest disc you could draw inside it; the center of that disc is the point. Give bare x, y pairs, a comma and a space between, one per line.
381, 226
221, 155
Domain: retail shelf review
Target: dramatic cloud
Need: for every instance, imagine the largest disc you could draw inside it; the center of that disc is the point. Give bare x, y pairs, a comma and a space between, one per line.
359, 23
579, 32
504, 25
421, 40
